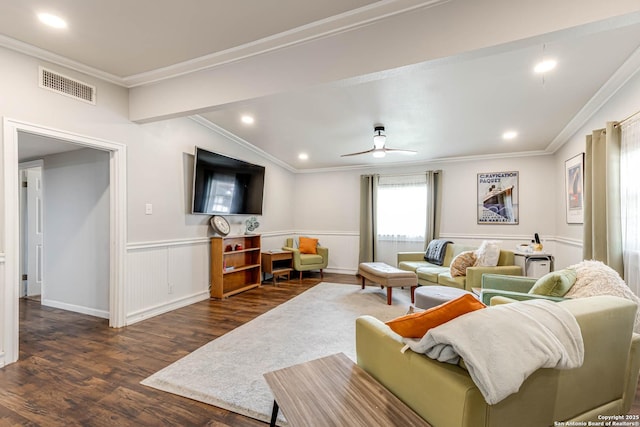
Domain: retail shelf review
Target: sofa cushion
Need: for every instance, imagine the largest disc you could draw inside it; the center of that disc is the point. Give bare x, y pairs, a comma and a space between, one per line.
445, 279
461, 262
488, 253
308, 245
309, 259
555, 284
413, 265
415, 325
430, 274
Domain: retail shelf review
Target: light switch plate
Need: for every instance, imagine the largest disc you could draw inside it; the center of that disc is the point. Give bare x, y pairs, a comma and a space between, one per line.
148, 209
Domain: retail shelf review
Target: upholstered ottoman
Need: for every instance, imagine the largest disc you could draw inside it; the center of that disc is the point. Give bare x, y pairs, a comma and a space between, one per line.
431, 296
387, 276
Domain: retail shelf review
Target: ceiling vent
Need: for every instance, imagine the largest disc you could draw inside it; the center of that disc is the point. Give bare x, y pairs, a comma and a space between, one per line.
67, 86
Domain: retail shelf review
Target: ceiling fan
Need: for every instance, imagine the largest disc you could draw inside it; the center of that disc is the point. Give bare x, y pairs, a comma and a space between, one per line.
379, 149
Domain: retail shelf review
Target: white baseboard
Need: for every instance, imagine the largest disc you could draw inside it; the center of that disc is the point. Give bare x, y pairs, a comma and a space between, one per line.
76, 308
341, 270
166, 307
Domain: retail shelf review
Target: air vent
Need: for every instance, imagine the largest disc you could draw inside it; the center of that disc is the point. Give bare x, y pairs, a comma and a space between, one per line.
67, 86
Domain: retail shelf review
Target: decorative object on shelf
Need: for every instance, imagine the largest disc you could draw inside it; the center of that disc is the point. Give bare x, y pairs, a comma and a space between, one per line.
251, 224
220, 225
498, 201
238, 247
574, 185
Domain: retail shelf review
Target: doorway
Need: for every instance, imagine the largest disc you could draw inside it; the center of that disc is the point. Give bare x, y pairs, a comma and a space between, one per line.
31, 229
117, 227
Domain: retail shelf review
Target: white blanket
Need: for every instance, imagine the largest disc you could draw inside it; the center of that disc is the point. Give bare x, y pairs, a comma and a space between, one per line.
503, 345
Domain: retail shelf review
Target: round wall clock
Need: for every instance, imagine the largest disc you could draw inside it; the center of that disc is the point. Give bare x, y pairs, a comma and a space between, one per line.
220, 225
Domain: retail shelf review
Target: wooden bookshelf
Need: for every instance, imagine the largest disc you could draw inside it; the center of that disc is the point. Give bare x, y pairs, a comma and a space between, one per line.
235, 265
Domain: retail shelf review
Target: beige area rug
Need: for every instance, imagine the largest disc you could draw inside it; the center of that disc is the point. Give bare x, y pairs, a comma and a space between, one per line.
228, 371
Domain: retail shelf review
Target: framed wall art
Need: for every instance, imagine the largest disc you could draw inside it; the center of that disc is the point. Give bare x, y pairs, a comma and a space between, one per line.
574, 189
498, 201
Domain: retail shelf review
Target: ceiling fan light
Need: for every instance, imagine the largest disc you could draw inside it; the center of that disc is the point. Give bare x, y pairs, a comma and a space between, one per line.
378, 141
378, 154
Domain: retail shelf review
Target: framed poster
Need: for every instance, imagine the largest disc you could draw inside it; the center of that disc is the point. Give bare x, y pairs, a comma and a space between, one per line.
574, 189
498, 198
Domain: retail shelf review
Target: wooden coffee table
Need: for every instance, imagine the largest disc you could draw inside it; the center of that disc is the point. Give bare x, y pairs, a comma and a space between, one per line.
334, 391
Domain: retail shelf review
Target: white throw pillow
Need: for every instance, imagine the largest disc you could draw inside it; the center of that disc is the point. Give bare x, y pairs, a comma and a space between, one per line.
488, 253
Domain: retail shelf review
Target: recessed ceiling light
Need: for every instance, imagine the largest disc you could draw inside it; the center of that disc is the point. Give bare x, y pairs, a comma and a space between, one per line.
303, 156
546, 65
510, 134
247, 120
52, 20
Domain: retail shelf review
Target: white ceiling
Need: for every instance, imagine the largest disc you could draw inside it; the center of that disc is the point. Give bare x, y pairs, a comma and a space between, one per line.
451, 107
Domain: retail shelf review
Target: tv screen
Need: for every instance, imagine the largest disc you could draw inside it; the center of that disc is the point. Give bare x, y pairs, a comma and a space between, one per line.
226, 186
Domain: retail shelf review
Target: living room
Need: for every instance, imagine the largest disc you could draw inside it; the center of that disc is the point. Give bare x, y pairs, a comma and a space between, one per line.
159, 262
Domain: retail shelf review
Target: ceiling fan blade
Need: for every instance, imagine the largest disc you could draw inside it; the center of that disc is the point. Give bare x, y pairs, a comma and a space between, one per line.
359, 153
399, 151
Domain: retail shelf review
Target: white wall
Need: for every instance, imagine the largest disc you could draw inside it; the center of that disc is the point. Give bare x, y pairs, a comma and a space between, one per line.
76, 231
159, 168
620, 106
327, 205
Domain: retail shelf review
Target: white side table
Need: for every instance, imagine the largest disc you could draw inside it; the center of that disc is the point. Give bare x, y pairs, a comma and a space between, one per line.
534, 264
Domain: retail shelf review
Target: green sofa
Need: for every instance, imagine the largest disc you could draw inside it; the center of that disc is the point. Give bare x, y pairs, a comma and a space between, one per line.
446, 396
431, 274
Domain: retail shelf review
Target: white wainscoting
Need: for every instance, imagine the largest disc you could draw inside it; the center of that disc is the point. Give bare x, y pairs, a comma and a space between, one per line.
2, 359
164, 276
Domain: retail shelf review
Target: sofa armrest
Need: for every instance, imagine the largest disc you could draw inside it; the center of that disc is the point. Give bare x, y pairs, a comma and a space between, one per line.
631, 377
508, 283
296, 255
453, 397
487, 294
409, 256
474, 274
323, 252
498, 300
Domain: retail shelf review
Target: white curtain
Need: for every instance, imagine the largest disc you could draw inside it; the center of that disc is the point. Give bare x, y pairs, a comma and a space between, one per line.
630, 201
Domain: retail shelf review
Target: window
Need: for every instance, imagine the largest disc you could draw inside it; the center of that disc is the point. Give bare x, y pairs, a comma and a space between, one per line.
630, 202
402, 208
401, 216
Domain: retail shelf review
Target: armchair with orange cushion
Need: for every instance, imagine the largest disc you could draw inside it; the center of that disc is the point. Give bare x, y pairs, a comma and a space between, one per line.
307, 254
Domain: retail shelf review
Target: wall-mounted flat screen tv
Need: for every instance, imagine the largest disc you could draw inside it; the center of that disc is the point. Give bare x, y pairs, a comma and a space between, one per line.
226, 186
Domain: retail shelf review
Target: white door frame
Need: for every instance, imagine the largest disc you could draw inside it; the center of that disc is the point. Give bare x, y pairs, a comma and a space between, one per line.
117, 224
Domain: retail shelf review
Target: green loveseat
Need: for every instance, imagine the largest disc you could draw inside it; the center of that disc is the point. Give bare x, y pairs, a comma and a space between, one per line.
431, 274
446, 396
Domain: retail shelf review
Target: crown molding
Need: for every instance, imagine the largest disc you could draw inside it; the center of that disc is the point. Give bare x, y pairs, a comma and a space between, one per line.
243, 143
347, 21
53, 58
611, 87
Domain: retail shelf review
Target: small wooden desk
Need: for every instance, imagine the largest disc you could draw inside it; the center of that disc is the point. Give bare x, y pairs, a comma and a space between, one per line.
277, 263
334, 391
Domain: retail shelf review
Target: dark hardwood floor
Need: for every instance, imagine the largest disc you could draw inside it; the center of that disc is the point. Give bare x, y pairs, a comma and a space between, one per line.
76, 371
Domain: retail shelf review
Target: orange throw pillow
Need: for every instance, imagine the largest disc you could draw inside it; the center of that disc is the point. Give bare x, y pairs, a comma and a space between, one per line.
415, 325
308, 245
